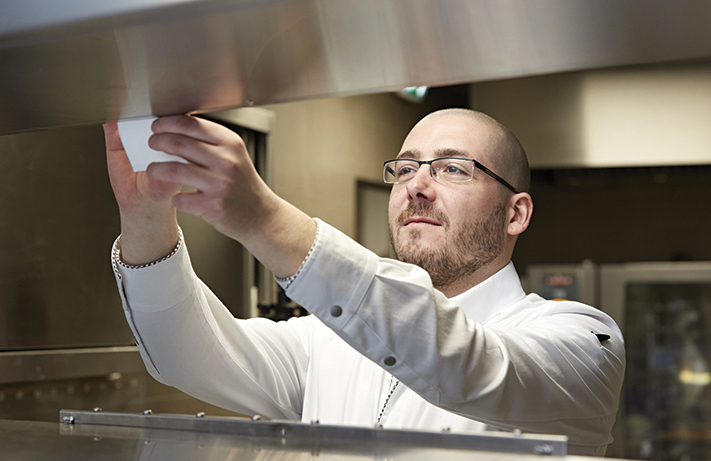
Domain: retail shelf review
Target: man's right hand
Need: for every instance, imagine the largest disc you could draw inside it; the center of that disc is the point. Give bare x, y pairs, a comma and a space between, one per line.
149, 228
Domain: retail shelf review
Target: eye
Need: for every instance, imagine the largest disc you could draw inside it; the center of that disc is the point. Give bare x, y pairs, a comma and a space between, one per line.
456, 169
404, 169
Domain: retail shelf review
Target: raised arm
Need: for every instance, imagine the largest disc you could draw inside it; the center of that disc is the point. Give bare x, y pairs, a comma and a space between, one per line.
149, 228
183, 331
229, 195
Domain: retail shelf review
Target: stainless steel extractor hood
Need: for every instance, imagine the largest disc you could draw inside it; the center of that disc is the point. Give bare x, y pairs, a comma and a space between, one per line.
73, 62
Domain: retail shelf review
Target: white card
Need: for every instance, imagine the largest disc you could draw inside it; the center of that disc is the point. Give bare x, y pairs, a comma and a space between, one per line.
134, 134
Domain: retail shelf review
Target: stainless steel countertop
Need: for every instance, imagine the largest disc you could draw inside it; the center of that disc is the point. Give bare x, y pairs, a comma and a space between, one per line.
93, 440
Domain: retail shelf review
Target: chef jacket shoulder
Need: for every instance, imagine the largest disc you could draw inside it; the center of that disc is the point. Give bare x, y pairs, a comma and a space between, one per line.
561, 316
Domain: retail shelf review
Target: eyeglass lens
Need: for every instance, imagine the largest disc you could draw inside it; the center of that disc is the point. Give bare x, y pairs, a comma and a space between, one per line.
445, 169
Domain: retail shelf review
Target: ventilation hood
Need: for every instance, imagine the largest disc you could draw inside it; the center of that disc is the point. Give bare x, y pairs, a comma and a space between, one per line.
78, 62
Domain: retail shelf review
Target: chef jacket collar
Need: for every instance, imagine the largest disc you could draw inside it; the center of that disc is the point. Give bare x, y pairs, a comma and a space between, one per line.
483, 301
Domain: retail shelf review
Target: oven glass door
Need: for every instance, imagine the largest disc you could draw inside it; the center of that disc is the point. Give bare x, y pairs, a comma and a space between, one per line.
667, 395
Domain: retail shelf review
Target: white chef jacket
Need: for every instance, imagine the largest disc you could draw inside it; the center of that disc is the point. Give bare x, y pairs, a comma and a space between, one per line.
491, 357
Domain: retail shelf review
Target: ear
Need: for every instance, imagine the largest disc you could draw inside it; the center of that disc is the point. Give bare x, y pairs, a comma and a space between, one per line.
520, 211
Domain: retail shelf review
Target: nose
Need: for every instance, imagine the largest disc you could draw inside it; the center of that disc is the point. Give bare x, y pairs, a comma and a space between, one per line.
421, 188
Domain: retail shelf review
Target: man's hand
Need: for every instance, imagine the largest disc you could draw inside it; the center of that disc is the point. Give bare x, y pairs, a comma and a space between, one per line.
149, 228
229, 194
133, 190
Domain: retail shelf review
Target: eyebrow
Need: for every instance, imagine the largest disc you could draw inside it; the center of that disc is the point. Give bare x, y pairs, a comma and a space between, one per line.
407, 154
445, 152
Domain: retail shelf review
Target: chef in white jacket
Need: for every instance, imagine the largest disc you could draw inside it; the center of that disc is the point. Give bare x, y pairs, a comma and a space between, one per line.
444, 337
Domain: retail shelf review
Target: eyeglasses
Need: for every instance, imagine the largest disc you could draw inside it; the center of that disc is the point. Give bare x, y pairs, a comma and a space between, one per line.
443, 169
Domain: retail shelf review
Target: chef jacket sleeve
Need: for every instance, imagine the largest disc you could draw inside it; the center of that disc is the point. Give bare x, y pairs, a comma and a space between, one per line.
188, 339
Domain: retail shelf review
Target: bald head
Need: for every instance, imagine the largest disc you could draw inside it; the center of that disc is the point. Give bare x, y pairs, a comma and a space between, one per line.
505, 153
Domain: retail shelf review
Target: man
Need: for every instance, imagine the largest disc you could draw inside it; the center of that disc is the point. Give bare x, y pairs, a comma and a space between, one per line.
445, 337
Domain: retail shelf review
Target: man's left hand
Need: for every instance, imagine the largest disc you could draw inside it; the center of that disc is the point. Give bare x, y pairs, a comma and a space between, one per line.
229, 193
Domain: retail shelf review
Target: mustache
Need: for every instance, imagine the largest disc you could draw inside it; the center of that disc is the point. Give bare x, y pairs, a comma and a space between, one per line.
425, 210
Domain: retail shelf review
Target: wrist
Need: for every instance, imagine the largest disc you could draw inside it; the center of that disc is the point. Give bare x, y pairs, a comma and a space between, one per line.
283, 243
118, 260
146, 236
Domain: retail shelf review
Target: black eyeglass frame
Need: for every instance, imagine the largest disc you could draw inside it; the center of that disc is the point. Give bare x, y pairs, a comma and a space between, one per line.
432, 172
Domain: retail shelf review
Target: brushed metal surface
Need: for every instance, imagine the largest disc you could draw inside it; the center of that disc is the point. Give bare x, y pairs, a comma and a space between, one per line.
317, 434
59, 219
57, 289
39, 441
79, 62
41, 365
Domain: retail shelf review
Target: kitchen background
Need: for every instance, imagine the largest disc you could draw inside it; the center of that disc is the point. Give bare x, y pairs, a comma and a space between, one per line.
621, 161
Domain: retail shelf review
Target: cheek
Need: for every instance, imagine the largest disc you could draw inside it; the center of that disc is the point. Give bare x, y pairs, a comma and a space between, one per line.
466, 210
395, 206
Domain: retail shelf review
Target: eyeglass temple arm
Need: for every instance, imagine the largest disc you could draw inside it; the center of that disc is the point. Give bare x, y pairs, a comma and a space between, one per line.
495, 176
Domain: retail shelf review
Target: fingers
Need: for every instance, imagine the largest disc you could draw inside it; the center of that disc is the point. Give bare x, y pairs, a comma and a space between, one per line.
218, 199
119, 167
195, 204
199, 141
216, 154
193, 127
116, 157
191, 149
111, 137
229, 190
181, 173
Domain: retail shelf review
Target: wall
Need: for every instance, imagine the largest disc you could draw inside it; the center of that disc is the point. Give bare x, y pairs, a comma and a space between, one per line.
57, 223
320, 148
617, 215
642, 135
636, 116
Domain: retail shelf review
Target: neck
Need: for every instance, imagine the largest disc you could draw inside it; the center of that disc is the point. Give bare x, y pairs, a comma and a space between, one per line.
469, 281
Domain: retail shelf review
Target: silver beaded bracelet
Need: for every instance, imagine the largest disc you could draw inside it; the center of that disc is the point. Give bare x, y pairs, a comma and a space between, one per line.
285, 282
116, 258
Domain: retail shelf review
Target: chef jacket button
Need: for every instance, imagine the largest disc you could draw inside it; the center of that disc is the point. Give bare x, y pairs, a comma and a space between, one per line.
389, 361
336, 311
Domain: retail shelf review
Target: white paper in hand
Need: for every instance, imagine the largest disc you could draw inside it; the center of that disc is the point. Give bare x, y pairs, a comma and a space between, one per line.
134, 136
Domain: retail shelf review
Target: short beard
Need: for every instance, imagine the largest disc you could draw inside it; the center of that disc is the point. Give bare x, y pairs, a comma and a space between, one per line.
463, 252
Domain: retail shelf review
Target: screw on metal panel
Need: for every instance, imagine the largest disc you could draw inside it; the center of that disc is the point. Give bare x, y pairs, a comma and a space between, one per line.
97, 409
69, 419
544, 449
446, 429
256, 418
517, 432
148, 412
200, 415
314, 421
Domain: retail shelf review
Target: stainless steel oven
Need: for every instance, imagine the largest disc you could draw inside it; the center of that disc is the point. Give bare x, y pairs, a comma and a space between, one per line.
664, 311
